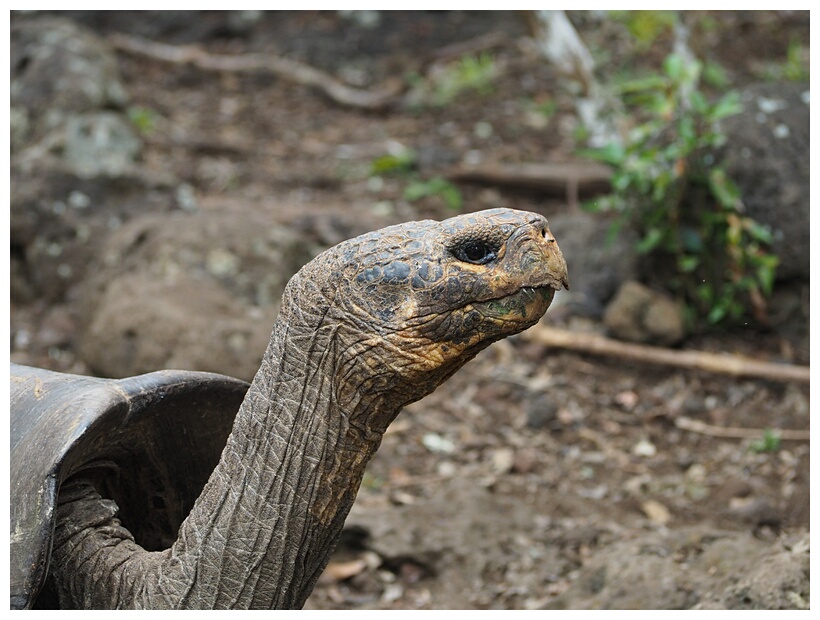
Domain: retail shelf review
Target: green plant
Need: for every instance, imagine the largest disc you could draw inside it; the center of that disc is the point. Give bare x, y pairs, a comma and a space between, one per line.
547, 108
646, 26
770, 442
143, 119
689, 215
470, 73
402, 164
715, 75
540, 112
437, 186
794, 68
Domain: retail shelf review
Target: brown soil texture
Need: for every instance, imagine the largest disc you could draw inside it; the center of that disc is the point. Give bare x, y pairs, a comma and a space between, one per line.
534, 478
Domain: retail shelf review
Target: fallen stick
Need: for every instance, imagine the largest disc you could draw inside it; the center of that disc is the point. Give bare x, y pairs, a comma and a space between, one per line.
291, 70
588, 178
459, 49
728, 432
732, 365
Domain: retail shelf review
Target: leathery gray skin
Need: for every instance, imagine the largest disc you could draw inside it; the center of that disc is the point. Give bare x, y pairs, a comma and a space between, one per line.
367, 327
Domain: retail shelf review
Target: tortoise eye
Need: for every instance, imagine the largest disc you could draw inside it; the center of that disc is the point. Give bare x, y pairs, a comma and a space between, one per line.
475, 251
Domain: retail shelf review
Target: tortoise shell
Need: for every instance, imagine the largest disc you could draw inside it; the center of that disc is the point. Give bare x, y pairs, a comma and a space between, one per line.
150, 442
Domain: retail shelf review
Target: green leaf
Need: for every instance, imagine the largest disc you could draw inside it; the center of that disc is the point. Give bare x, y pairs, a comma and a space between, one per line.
643, 86
770, 442
452, 197
613, 231
715, 75
674, 66
393, 164
651, 240
766, 272
621, 181
143, 119
437, 186
612, 154
688, 264
698, 102
726, 192
662, 181
661, 106
758, 231
706, 293
716, 314
687, 130
594, 205
728, 105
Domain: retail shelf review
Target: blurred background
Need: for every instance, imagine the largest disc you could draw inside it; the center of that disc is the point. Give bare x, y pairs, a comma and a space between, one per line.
171, 170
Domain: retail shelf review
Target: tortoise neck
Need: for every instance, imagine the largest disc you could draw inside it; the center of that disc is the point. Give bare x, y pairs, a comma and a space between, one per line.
263, 528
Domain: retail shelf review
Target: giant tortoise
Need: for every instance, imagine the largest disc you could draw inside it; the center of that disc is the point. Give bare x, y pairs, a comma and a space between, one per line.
192, 490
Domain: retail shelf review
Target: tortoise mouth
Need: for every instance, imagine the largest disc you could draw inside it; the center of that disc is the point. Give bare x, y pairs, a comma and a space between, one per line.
528, 303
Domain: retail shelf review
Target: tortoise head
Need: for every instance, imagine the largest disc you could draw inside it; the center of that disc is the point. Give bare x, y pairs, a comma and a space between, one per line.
412, 303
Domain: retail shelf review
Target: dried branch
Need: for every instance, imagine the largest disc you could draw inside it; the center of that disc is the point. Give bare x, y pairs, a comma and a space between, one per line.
696, 426
587, 178
284, 68
476, 45
732, 365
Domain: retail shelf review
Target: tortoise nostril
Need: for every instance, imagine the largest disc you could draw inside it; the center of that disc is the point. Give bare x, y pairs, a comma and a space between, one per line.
544, 235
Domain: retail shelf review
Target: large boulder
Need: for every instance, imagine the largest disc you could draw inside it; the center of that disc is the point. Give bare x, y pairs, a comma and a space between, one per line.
58, 70
191, 291
694, 568
75, 171
141, 324
57, 221
767, 155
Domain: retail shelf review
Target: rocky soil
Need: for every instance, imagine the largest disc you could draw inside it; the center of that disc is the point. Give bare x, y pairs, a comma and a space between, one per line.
158, 208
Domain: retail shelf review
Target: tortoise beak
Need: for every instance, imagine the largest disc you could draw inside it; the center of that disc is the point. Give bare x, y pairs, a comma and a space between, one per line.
542, 260
555, 261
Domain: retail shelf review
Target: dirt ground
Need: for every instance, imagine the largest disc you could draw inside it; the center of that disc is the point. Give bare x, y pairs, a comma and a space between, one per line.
536, 477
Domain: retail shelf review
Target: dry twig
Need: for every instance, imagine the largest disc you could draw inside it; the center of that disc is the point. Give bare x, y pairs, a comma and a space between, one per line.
291, 70
696, 426
459, 49
732, 365
560, 178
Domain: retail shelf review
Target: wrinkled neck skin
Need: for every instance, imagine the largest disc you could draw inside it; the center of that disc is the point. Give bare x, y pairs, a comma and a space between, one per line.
263, 528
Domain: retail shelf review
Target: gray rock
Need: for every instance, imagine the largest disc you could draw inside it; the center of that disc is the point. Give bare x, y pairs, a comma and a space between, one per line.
142, 323
693, 568
19, 127
59, 69
189, 291
639, 314
73, 154
767, 155
57, 219
598, 262
100, 143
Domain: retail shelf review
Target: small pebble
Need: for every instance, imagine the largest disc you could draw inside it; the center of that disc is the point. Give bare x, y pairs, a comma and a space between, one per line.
644, 448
